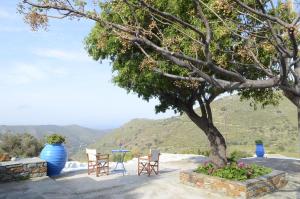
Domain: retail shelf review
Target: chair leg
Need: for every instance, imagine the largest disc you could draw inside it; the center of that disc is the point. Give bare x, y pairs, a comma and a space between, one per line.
155, 171
107, 167
148, 169
89, 169
153, 167
97, 170
141, 167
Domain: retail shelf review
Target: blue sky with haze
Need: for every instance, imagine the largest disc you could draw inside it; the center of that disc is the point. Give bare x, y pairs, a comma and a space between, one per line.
46, 77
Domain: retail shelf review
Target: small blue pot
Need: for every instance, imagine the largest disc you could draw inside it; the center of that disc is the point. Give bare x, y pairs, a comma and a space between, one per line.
56, 156
260, 151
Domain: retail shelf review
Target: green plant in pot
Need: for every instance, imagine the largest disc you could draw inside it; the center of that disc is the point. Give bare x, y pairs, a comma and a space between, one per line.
55, 154
260, 151
55, 139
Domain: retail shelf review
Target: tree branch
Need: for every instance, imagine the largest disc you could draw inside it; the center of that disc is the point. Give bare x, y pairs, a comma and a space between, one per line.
173, 18
261, 14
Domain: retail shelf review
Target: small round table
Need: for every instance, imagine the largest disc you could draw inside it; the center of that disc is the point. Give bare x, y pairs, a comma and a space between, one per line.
121, 160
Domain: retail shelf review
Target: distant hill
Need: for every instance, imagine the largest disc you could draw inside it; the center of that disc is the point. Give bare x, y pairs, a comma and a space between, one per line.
239, 123
77, 137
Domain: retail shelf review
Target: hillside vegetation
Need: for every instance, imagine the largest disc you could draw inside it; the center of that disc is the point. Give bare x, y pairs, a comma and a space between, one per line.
77, 137
20, 145
239, 123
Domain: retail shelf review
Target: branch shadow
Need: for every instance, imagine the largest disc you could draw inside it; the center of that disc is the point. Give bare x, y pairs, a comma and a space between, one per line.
291, 166
79, 185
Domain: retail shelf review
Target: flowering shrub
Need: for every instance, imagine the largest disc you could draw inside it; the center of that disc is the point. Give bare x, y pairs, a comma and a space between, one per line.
241, 165
234, 171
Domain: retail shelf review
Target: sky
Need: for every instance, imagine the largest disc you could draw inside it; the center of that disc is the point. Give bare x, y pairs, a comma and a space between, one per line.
47, 77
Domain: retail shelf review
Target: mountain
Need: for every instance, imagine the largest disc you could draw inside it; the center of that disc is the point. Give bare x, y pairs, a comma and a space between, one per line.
239, 123
77, 137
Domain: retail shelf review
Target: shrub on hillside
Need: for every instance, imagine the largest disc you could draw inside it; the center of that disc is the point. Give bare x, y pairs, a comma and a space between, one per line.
21, 145
236, 155
280, 148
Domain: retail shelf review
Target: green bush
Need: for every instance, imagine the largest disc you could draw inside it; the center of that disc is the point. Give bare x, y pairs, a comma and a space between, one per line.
280, 148
55, 139
20, 145
204, 153
258, 142
234, 171
128, 156
118, 157
236, 155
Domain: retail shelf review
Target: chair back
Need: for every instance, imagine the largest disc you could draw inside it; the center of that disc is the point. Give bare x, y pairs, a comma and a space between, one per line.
91, 154
154, 155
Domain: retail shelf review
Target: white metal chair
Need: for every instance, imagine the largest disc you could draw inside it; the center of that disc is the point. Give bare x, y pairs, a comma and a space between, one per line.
97, 162
149, 163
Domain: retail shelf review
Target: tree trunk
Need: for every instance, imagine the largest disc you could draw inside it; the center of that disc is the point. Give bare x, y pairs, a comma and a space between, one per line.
298, 109
218, 147
296, 101
217, 142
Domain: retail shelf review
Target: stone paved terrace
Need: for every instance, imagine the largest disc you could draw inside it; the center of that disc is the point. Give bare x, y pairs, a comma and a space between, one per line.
78, 185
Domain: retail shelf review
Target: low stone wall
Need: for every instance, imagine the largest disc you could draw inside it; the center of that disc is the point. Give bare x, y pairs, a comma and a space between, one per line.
236, 189
22, 169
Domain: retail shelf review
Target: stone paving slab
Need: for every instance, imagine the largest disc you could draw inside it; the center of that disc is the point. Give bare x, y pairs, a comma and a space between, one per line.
78, 185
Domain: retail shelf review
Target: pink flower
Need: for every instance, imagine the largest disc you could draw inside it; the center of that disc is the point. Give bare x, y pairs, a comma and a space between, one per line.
241, 165
207, 163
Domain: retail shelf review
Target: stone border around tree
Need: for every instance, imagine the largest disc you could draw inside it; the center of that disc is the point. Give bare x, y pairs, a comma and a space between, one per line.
236, 189
22, 169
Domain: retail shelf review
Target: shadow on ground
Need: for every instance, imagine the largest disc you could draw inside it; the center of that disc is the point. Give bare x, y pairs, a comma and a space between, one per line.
288, 165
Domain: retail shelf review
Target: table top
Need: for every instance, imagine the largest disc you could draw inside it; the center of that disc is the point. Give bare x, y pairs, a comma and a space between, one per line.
119, 151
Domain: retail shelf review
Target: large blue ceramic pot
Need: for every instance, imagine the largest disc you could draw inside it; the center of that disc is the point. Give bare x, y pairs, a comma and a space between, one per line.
56, 156
260, 151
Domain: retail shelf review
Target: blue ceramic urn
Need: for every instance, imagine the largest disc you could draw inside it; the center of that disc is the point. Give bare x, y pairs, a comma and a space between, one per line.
260, 151
56, 156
